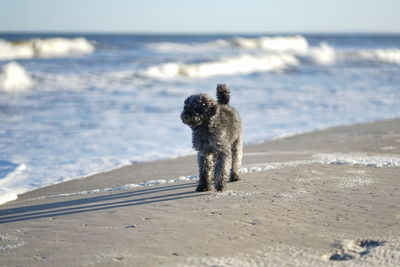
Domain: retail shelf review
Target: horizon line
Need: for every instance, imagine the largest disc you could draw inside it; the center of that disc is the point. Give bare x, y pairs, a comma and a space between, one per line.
200, 32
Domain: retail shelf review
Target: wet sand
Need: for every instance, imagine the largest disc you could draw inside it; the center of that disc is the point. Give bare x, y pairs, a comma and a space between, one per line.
329, 197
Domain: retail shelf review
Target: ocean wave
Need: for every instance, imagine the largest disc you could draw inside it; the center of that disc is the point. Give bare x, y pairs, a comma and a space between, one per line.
6, 196
273, 60
8, 172
324, 54
293, 44
243, 64
44, 48
14, 78
262, 54
168, 47
381, 55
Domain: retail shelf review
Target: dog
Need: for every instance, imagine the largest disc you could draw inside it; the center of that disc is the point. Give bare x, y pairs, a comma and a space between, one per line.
216, 136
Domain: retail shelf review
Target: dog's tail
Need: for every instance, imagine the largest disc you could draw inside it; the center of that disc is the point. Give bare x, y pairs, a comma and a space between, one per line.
223, 94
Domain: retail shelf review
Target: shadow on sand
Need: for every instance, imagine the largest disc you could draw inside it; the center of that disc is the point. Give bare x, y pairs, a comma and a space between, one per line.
109, 201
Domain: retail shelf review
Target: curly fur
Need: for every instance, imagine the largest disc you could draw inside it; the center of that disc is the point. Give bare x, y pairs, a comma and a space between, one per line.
216, 135
223, 94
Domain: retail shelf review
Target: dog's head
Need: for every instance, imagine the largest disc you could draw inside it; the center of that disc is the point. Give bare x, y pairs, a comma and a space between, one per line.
198, 109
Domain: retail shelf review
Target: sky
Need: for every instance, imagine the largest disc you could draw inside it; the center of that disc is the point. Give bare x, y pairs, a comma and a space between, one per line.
200, 16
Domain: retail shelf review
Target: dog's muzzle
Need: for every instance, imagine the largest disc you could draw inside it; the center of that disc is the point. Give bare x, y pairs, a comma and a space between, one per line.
190, 120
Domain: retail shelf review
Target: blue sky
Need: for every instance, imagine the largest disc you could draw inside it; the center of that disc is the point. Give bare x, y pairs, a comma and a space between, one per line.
195, 16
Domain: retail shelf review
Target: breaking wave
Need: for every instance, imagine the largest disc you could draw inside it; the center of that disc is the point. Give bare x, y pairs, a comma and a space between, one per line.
8, 172
14, 78
168, 47
294, 44
323, 55
44, 48
274, 54
382, 55
259, 55
243, 64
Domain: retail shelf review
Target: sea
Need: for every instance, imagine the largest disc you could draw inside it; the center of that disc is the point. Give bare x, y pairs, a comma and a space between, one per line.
72, 105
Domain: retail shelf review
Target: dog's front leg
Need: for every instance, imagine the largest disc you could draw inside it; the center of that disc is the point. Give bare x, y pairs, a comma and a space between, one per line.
222, 167
205, 169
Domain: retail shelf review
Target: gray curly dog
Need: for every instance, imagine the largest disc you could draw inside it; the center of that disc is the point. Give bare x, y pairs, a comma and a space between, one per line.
216, 135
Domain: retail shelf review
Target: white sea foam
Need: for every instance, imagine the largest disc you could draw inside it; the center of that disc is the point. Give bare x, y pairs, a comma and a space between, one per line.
6, 196
22, 179
278, 58
358, 159
243, 64
268, 54
383, 55
127, 186
259, 167
14, 78
324, 54
9, 50
293, 44
353, 159
44, 48
168, 47
10, 194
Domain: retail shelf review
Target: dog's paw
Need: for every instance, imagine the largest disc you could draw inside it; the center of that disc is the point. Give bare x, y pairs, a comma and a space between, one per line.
202, 188
219, 186
234, 177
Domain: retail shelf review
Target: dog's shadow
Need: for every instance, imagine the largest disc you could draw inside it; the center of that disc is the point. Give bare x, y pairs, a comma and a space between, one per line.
108, 201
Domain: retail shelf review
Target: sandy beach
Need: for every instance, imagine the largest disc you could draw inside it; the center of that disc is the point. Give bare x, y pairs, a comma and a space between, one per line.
329, 197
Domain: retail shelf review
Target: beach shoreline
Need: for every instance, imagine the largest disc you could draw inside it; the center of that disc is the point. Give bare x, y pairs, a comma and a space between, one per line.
315, 198
61, 113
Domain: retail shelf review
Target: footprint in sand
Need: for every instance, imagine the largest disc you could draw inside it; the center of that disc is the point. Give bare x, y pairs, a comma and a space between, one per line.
350, 249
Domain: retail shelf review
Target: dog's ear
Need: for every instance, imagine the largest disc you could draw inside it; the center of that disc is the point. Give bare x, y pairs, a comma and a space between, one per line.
187, 100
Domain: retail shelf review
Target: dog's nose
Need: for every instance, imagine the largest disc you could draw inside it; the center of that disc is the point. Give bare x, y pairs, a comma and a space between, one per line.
184, 117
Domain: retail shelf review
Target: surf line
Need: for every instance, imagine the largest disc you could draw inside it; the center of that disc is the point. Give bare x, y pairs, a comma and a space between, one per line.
353, 159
